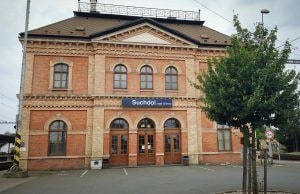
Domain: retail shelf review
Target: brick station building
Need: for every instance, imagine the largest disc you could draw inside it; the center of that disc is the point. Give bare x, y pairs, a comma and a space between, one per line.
116, 87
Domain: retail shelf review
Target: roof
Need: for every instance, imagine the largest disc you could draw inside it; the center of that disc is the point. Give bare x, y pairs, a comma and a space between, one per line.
7, 139
89, 25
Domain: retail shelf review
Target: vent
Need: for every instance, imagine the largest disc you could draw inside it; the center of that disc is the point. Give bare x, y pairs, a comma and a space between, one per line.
80, 28
204, 36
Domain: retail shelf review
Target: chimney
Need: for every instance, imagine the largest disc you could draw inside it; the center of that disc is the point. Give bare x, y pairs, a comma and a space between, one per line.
93, 6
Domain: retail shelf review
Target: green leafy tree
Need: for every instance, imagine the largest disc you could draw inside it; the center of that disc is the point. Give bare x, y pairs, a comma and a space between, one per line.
249, 87
289, 133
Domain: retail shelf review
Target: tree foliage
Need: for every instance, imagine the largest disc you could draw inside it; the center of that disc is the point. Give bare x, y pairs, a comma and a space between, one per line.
249, 86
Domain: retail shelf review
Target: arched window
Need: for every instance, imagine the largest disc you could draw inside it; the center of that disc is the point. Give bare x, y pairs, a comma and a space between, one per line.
171, 78
61, 73
172, 124
57, 138
119, 124
146, 78
146, 123
120, 77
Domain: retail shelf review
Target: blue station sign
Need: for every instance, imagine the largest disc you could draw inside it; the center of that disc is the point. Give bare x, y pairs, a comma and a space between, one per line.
146, 102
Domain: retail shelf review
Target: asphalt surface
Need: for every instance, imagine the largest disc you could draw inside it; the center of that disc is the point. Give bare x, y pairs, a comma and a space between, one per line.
152, 180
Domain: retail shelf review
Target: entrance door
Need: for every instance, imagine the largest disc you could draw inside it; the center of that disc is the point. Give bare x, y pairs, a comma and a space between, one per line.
146, 151
118, 148
172, 147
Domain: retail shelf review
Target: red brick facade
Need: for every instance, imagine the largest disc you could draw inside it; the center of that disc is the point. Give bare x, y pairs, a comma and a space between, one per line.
90, 103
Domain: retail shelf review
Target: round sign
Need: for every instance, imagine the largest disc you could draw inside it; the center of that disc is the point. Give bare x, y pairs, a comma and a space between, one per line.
269, 134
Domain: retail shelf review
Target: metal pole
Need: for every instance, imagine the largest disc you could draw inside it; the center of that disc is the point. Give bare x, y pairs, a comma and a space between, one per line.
265, 171
21, 93
262, 19
23, 67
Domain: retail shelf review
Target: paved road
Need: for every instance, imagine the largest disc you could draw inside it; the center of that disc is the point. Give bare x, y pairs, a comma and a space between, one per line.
150, 180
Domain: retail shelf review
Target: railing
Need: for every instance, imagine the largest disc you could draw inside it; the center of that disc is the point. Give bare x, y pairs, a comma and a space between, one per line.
138, 11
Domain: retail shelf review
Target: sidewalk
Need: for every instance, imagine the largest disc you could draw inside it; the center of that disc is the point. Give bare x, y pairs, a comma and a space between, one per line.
7, 183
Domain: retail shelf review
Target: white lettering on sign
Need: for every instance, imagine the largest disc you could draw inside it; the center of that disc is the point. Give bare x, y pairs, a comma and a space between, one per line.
143, 102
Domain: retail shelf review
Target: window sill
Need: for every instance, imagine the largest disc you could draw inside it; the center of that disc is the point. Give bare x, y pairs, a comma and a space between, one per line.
60, 89
172, 91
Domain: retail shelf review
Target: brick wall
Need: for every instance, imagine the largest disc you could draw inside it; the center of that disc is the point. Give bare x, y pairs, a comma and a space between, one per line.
41, 73
56, 164
77, 118
133, 77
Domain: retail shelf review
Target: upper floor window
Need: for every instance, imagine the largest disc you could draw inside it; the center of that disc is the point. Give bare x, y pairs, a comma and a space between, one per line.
57, 138
171, 78
61, 72
224, 138
120, 77
146, 78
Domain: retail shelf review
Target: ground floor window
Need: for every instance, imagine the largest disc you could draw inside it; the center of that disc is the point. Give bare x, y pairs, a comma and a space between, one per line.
224, 138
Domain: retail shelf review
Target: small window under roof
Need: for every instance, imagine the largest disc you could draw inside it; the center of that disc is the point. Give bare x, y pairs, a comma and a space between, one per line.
80, 28
204, 36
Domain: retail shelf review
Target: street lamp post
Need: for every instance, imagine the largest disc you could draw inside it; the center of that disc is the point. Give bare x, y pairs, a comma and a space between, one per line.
263, 11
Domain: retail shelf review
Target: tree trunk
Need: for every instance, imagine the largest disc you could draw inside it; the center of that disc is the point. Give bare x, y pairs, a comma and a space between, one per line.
254, 173
245, 146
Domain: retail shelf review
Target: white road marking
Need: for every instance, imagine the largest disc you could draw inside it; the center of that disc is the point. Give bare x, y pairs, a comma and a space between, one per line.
205, 168
236, 166
83, 173
125, 171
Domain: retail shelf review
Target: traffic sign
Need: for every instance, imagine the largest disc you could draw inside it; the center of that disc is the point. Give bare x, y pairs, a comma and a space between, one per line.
269, 134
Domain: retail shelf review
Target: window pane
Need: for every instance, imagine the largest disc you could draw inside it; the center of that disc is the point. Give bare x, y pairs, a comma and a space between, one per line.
123, 77
143, 85
174, 86
174, 78
116, 84
168, 78
114, 144
227, 139
123, 84
149, 85
167, 143
64, 76
56, 76
124, 144
141, 144
57, 84
168, 86
150, 144
220, 140
52, 148
176, 143
63, 84
143, 78
64, 68
53, 137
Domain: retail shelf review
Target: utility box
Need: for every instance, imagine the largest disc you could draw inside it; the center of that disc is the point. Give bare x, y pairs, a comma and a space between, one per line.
96, 164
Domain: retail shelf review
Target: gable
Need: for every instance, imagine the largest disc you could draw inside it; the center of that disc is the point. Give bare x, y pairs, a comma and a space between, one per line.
146, 38
144, 33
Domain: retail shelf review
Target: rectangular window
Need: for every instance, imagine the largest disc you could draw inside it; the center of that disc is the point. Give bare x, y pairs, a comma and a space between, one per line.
114, 144
124, 144
167, 143
224, 139
141, 144
176, 143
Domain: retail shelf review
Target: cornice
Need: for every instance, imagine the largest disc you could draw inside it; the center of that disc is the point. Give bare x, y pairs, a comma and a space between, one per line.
99, 97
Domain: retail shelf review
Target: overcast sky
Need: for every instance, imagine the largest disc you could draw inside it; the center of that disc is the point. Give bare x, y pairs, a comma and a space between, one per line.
284, 14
